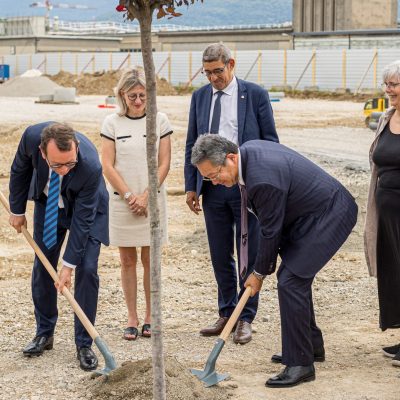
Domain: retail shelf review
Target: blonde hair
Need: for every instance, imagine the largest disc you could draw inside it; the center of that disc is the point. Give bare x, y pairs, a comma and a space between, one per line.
129, 79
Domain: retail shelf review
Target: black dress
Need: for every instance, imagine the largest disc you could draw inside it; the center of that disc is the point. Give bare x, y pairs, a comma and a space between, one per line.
387, 159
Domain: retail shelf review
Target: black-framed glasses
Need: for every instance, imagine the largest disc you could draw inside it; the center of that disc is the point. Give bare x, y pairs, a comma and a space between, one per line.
133, 97
389, 85
69, 165
216, 71
215, 176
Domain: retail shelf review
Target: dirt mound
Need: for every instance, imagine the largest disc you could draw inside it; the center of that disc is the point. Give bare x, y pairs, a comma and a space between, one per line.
344, 96
31, 86
134, 381
102, 83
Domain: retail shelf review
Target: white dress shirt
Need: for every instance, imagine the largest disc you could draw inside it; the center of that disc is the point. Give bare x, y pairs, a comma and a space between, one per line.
240, 175
228, 124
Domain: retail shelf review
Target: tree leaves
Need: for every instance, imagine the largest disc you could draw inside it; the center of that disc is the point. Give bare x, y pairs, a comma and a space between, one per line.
161, 13
166, 8
168, 11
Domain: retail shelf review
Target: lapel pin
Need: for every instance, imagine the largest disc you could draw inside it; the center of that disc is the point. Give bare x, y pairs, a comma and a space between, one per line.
242, 97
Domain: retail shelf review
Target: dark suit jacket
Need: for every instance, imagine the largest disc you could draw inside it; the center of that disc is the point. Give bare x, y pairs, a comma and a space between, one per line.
305, 214
83, 190
255, 121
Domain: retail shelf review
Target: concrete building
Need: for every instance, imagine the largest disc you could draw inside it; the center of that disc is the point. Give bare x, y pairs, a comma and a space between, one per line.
262, 38
345, 24
316, 24
343, 15
30, 35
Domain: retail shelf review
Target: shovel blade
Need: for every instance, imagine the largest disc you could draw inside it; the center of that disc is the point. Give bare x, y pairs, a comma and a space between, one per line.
208, 375
211, 379
214, 378
111, 365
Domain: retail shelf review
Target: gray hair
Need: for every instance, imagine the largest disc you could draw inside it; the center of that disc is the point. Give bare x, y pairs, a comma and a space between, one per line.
213, 148
216, 52
391, 70
129, 79
62, 134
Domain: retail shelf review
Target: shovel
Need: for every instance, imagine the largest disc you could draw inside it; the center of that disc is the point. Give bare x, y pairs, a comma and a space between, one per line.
209, 376
101, 345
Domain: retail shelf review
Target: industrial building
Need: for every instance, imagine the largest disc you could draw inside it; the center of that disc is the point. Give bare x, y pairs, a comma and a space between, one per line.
345, 24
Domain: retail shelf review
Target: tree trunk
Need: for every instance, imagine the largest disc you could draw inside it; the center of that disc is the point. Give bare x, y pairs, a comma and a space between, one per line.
159, 389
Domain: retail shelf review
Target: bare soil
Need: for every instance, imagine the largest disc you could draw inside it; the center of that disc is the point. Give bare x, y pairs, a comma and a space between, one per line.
330, 133
102, 83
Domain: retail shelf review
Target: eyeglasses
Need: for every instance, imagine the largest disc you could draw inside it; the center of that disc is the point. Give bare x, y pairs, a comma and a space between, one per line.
215, 177
216, 71
69, 165
133, 97
389, 85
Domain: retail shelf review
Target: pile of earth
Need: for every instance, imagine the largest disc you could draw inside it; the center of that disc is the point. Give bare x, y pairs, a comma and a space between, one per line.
102, 83
28, 86
334, 95
134, 381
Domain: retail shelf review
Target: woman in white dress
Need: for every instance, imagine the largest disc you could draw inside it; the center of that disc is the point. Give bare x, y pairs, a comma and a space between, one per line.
125, 168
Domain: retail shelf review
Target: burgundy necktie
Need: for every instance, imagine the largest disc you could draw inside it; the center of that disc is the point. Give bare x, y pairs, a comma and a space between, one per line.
243, 231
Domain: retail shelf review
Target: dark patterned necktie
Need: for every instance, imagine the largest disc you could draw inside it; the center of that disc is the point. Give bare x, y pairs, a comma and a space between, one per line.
51, 213
243, 232
214, 128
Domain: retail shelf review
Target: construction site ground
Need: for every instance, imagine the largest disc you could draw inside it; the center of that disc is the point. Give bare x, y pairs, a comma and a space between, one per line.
332, 134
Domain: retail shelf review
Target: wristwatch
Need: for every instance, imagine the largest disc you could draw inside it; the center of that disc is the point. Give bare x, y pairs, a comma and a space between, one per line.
260, 277
127, 195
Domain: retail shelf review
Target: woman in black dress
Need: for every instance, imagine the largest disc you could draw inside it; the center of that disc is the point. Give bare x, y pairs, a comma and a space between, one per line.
382, 231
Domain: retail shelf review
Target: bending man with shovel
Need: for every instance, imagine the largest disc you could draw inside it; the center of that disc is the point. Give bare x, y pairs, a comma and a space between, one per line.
305, 216
59, 170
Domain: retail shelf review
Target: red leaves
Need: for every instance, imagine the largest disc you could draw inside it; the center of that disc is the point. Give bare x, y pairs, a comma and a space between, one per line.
167, 9
121, 7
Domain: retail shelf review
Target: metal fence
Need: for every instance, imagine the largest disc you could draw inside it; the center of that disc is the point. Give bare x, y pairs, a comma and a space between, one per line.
354, 69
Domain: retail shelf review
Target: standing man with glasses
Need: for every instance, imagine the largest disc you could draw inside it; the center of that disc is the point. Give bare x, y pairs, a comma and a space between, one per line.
239, 111
60, 170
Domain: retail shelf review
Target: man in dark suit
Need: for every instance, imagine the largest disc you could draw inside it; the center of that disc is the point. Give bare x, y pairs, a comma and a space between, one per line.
59, 170
240, 111
305, 215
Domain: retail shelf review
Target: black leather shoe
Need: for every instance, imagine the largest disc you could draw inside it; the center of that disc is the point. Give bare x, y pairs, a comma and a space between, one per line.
391, 351
292, 376
319, 356
87, 359
38, 345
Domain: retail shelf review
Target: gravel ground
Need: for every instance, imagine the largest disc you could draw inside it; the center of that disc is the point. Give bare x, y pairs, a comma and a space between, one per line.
331, 134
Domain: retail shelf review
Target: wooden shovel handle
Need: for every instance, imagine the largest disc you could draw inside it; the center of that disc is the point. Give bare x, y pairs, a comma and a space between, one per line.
76, 307
235, 315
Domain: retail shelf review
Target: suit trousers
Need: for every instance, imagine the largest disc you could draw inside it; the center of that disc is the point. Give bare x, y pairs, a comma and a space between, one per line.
222, 208
44, 293
300, 333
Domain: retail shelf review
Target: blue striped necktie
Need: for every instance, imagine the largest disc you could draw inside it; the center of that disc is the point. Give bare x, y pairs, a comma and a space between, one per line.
51, 214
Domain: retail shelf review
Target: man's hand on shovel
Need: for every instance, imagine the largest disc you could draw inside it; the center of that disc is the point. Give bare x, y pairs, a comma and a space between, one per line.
254, 283
64, 279
17, 221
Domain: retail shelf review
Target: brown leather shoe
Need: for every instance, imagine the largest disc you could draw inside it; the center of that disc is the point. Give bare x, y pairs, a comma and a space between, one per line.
242, 333
216, 328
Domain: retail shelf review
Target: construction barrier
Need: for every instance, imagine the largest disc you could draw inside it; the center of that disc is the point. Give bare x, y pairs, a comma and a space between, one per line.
354, 69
